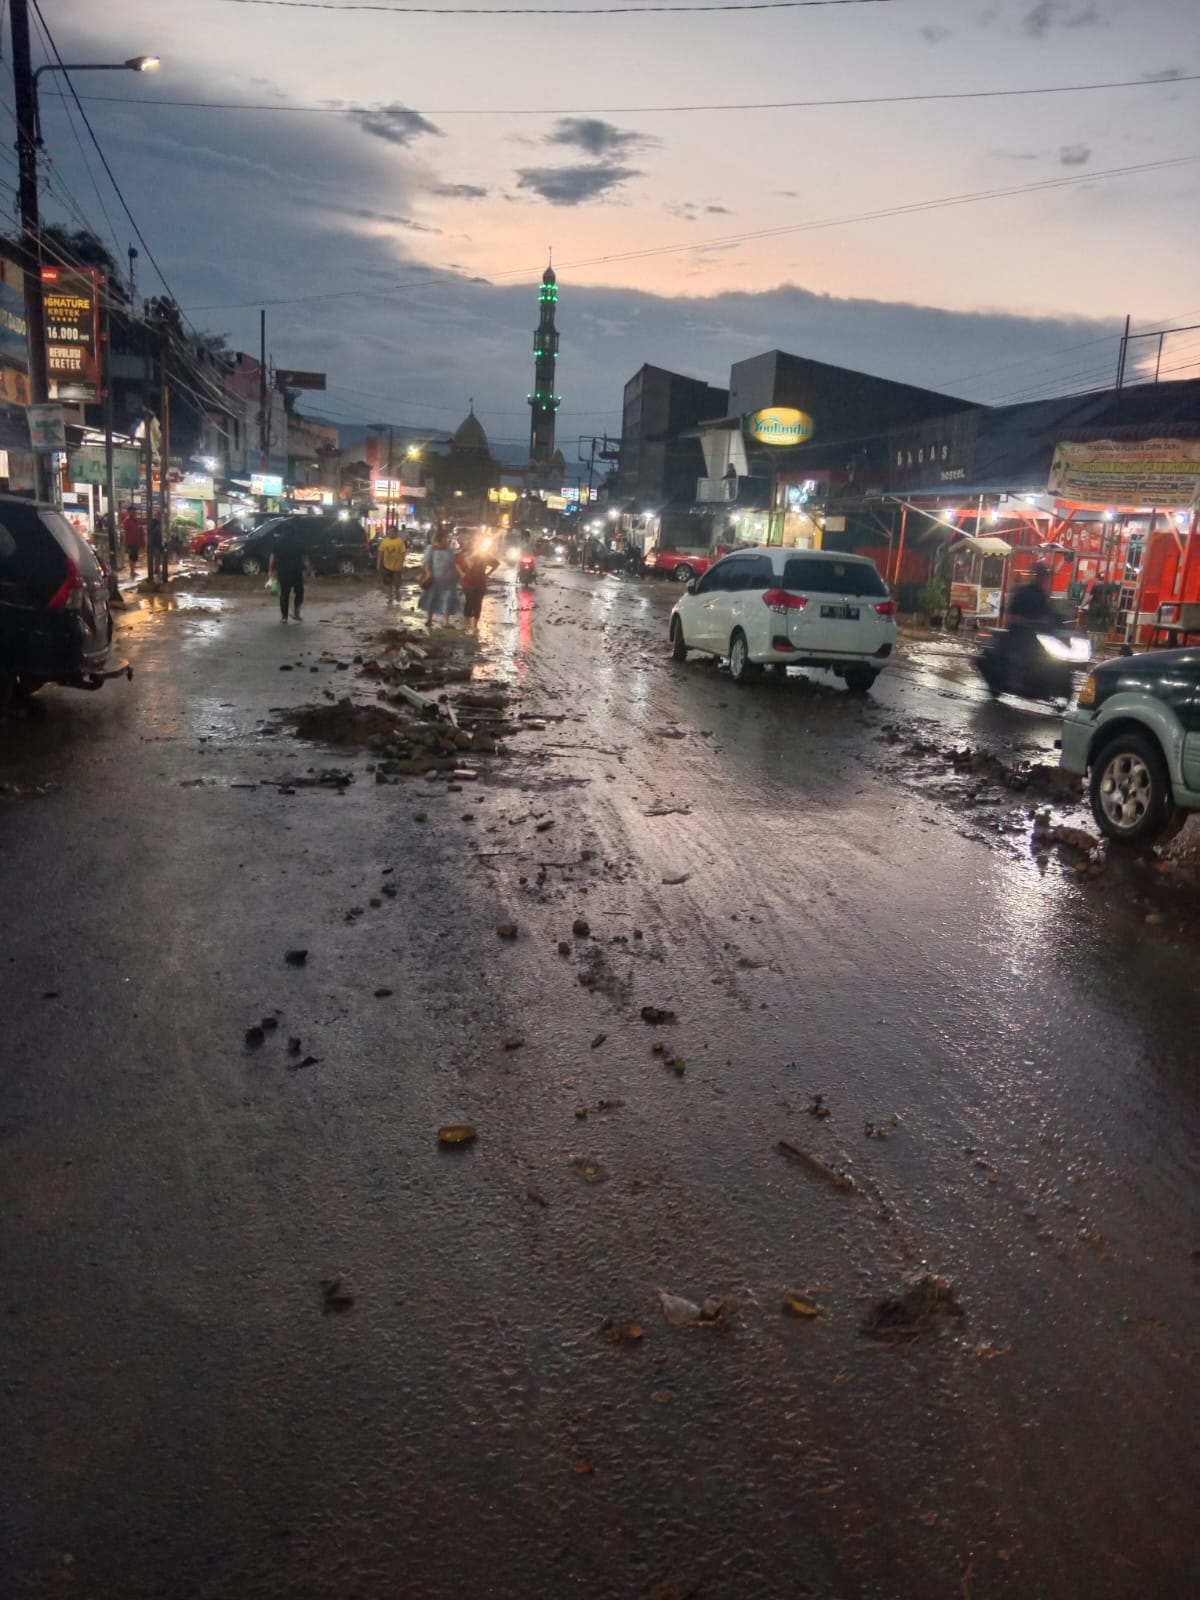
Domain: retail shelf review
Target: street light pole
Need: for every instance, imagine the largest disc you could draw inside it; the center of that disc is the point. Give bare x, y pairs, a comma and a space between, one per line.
29, 138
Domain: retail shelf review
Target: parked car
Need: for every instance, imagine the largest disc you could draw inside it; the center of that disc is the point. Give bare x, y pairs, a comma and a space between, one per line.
780, 607
1135, 733
55, 625
333, 544
681, 565
207, 540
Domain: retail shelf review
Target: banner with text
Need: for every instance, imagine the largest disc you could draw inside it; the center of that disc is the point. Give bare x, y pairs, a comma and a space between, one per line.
1153, 474
71, 297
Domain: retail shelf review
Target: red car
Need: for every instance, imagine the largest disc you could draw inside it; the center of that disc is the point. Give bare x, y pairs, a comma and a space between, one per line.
681, 565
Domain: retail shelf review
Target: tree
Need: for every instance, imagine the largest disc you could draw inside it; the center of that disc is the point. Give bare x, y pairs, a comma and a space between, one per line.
85, 248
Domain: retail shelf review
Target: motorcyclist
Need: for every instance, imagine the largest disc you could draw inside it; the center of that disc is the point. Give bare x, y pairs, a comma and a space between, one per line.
1029, 606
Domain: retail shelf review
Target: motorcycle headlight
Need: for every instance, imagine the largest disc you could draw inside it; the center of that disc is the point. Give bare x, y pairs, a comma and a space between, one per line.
1060, 649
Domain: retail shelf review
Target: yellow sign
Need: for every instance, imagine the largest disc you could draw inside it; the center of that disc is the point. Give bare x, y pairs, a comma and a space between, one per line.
780, 425
503, 496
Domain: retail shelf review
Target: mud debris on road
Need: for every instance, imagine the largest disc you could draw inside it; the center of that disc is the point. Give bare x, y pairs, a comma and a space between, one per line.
914, 1311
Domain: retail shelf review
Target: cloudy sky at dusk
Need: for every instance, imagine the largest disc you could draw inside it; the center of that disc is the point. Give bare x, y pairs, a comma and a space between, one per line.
398, 246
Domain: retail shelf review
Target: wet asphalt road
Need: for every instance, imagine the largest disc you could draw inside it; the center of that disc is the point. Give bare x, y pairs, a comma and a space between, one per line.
182, 1418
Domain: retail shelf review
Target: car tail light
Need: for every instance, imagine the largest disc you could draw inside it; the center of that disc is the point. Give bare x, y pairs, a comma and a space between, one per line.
780, 600
69, 594
886, 608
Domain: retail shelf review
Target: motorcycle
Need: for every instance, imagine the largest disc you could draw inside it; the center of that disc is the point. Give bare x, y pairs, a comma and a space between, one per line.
1033, 665
527, 571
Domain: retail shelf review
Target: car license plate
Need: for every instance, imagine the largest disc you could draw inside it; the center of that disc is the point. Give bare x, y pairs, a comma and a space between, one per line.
840, 613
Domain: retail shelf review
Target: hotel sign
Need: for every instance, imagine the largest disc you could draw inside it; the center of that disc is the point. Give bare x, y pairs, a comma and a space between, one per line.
780, 425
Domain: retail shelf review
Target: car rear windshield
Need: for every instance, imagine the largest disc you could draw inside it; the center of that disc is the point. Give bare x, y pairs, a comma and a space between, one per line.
33, 556
75, 544
810, 575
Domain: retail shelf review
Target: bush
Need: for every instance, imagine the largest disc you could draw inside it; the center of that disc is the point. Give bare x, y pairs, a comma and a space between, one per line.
933, 599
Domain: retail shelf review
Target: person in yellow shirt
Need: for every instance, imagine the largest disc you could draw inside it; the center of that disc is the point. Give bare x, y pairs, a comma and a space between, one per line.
393, 553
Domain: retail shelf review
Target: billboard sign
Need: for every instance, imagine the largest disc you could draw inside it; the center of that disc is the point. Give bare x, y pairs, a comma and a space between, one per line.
14, 341
292, 378
87, 466
268, 483
780, 426
71, 297
1156, 474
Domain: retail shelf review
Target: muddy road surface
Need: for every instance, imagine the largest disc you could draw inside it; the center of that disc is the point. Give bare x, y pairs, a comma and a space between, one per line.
828, 1226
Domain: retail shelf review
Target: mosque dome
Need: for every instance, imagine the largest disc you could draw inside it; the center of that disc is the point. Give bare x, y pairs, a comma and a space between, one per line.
470, 433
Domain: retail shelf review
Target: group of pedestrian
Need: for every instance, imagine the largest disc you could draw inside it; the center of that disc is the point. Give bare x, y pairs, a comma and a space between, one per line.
445, 570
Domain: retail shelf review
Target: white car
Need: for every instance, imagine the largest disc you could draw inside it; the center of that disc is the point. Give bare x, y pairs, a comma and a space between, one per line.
778, 607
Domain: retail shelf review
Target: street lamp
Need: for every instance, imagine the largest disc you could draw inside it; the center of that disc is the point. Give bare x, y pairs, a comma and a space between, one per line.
134, 64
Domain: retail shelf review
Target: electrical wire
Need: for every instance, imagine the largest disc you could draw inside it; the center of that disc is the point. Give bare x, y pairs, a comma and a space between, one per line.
379, 7
141, 238
618, 111
911, 208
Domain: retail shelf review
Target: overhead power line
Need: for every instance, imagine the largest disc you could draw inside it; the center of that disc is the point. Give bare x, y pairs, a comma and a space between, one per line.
623, 111
912, 207
140, 236
382, 9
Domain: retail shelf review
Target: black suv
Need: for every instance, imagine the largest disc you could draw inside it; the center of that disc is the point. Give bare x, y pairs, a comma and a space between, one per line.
332, 544
55, 625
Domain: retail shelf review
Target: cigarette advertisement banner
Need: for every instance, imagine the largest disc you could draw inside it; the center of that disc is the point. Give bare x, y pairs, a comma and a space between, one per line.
72, 303
1153, 474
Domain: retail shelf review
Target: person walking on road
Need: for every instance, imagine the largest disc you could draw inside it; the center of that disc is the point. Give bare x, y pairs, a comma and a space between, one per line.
290, 564
393, 553
134, 533
439, 579
475, 568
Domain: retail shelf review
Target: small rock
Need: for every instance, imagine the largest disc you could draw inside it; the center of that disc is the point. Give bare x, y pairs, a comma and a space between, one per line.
293, 1046
581, 928
383, 994
545, 826
506, 930
285, 667
457, 1133
598, 1040
268, 1024
254, 1037
564, 949
335, 1296
295, 958
1154, 919
657, 1016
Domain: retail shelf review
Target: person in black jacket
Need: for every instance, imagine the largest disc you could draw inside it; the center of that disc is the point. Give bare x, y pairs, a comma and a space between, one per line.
290, 564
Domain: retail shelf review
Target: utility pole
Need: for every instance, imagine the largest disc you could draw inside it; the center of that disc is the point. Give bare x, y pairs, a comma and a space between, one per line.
147, 438
1121, 358
110, 488
263, 435
25, 95
164, 456
391, 443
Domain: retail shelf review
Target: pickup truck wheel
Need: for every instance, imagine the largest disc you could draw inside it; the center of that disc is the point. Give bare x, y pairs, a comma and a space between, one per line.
679, 647
683, 573
1130, 791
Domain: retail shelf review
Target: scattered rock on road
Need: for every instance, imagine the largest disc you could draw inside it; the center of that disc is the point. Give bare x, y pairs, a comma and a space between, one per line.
295, 958
457, 1133
913, 1311
335, 1297
815, 1165
657, 1016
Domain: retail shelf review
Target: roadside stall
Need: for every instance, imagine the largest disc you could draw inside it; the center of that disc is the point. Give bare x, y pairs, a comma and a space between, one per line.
978, 579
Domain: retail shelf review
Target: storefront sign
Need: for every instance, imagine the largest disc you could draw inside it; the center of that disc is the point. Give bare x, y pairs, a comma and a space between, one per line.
780, 425
14, 342
311, 495
88, 466
266, 483
934, 454
71, 299
503, 496
1152, 473
47, 431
